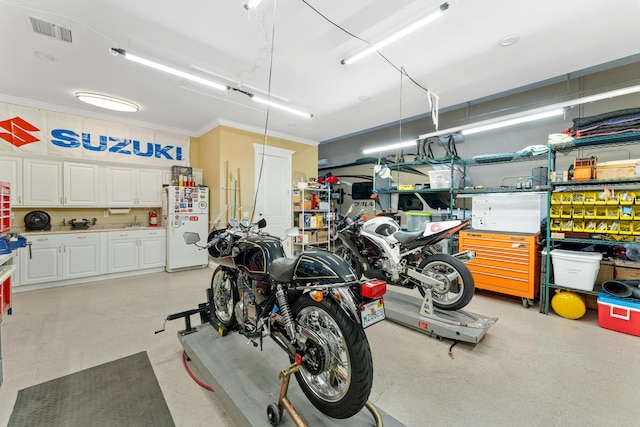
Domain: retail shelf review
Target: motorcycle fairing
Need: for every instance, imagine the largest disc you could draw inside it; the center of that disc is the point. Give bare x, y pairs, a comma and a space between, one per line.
438, 227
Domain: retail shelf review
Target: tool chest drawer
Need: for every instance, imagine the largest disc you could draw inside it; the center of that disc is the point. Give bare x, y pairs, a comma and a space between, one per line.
505, 263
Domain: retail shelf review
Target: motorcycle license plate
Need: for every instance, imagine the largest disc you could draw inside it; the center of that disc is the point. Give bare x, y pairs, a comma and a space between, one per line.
372, 312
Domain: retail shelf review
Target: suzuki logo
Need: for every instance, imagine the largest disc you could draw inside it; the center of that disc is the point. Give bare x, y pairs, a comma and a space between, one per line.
19, 132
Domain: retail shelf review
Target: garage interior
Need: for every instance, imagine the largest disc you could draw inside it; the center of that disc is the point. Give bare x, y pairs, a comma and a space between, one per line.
217, 88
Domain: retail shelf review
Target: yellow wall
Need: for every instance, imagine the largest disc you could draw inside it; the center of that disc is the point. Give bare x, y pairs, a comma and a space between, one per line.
226, 152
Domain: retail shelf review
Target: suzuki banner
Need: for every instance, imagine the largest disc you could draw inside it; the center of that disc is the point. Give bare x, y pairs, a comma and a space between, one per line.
29, 130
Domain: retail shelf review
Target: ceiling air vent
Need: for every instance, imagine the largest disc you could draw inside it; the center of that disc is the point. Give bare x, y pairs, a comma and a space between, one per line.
51, 30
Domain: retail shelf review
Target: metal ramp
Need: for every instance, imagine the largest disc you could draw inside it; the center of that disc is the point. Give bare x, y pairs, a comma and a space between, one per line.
420, 315
246, 381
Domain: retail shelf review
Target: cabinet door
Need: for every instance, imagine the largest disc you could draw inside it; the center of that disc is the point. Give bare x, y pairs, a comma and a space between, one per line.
11, 172
81, 184
44, 263
81, 255
121, 186
42, 183
122, 253
152, 252
149, 187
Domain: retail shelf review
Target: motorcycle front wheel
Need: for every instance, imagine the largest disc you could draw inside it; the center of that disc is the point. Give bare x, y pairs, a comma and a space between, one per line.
353, 261
224, 297
337, 374
456, 286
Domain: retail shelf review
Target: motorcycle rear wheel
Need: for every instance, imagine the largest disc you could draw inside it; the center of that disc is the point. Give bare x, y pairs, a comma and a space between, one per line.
458, 286
353, 261
342, 390
224, 297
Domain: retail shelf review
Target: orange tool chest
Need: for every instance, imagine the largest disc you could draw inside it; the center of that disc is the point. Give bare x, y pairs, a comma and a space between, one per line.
506, 263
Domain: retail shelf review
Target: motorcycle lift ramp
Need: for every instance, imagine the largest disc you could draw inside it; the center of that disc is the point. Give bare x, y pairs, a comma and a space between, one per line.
420, 315
246, 381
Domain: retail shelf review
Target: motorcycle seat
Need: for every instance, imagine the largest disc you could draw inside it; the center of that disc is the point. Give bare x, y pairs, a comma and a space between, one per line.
281, 269
407, 236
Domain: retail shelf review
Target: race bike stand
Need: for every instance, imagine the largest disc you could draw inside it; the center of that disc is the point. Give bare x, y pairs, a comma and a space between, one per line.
245, 380
421, 315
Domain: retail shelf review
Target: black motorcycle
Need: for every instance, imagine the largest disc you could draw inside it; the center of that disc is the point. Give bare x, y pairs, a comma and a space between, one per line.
313, 306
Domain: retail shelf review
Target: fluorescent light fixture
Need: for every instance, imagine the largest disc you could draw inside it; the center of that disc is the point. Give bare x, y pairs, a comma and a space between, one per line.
516, 121
534, 114
397, 35
106, 101
252, 4
169, 70
207, 82
390, 147
282, 107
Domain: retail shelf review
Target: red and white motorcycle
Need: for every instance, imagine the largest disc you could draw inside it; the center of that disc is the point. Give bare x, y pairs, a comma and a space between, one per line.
378, 249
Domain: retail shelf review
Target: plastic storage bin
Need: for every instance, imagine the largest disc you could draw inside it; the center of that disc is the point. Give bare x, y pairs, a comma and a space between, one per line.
576, 270
442, 179
416, 220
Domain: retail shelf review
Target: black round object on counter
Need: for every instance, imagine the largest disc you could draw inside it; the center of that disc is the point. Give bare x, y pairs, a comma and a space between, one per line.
37, 221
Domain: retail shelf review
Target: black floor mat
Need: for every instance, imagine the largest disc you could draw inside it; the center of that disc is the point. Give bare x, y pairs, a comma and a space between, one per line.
124, 392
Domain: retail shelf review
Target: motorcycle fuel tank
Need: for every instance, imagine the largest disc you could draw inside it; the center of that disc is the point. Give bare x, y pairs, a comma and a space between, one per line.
323, 267
382, 226
257, 253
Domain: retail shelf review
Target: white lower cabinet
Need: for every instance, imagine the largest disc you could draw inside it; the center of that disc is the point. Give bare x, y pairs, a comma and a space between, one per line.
135, 250
53, 257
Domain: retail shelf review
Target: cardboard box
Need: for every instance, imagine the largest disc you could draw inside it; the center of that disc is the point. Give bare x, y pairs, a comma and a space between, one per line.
322, 236
297, 197
621, 315
618, 169
627, 270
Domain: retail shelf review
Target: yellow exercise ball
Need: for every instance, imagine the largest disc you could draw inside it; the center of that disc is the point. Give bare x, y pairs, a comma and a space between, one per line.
569, 304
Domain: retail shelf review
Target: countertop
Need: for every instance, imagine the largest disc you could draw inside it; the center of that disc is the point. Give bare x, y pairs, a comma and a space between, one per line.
59, 229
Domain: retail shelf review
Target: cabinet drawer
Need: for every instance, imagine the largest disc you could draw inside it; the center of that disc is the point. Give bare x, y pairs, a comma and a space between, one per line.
136, 234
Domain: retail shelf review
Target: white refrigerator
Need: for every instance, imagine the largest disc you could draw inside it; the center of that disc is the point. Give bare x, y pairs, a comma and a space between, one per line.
185, 209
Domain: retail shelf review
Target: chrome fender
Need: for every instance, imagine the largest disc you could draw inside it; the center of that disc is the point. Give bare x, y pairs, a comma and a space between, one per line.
344, 298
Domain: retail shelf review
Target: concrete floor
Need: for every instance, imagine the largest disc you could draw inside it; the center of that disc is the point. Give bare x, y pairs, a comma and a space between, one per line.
529, 370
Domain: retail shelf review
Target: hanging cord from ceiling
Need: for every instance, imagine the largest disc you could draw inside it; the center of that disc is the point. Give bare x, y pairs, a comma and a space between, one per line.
431, 97
266, 121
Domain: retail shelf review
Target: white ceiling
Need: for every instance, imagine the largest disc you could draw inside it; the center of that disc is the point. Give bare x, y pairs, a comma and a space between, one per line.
458, 57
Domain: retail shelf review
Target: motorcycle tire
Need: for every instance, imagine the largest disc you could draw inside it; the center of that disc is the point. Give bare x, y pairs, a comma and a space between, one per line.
353, 261
342, 390
224, 297
465, 287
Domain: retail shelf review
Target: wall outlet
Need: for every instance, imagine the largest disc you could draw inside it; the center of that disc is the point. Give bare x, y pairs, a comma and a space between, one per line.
106, 214
245, 214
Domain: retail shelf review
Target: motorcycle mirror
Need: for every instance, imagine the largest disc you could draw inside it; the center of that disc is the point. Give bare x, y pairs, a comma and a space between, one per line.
292, 232
262, 223
191, 238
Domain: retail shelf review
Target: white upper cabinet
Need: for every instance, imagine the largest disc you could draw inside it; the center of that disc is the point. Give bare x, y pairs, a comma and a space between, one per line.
81, 184
51, 183
149, 187
131, 187
11, 172
42, 183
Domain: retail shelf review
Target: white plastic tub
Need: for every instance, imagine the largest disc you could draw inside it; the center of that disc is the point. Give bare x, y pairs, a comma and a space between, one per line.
576, 270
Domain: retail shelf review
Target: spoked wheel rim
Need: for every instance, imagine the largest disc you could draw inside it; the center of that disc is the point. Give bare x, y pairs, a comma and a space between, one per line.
333, 383
222, 296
